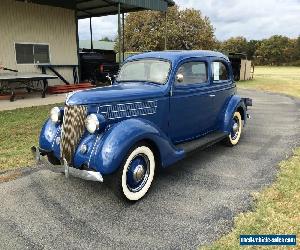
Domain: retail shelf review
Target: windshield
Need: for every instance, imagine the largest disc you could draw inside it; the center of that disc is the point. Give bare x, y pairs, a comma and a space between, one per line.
145, 70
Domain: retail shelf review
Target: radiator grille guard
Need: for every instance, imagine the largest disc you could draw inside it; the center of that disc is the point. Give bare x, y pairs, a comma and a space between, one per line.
72, 130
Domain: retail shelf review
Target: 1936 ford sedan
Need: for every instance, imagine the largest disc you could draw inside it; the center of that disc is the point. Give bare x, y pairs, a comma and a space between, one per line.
161, 106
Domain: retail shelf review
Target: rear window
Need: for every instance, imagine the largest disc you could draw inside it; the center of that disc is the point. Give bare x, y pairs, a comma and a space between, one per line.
220, 71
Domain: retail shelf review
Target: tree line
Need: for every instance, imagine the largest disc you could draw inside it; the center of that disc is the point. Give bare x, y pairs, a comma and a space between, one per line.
188, 29
276, 50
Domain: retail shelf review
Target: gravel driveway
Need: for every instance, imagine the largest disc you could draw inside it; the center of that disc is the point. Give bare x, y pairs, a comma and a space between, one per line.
191, 204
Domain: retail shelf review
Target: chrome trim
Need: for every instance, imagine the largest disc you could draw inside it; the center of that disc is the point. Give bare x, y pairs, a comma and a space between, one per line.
127, 110
82, 174
66, 169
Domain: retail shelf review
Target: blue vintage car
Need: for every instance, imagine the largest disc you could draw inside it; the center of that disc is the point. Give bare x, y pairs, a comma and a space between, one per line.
161, 106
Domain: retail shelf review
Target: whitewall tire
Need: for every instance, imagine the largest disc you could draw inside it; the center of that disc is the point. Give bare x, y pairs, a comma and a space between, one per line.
235, 130
137, 173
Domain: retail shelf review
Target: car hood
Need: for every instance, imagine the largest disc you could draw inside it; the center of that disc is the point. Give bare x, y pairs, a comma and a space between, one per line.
116, 93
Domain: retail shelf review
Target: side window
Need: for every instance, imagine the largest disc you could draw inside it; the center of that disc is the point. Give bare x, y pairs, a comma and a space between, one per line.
192, 73
220, 72
32, 53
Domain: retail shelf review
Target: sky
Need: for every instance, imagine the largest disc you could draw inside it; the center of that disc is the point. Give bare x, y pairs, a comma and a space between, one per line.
253, 19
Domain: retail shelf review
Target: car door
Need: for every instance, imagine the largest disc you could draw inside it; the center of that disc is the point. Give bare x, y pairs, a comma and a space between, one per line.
190, 101
222, 87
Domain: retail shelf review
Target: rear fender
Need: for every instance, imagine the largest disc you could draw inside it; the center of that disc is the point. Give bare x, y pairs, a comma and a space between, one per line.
234, 104
117, 141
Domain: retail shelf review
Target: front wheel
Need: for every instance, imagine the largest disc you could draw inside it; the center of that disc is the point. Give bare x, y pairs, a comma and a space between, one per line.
236, 130
137, 173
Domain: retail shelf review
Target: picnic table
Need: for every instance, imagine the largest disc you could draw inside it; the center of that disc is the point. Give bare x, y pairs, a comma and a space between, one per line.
29, 81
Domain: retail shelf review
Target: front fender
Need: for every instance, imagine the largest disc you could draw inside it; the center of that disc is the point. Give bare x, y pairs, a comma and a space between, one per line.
48, 135
117, 141
235, 103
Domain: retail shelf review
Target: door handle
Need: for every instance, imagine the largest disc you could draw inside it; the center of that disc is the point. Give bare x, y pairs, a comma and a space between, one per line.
212, 95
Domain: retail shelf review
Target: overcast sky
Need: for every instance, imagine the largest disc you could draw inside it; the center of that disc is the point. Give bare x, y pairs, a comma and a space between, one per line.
253, 19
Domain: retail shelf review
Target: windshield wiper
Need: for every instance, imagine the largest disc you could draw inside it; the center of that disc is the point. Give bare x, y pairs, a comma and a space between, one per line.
144, 81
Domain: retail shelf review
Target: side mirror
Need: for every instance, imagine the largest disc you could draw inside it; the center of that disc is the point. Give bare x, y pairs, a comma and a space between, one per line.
179, 78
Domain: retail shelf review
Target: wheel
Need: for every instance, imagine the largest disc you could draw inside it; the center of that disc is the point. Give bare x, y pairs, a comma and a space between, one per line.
236, 130
137, 173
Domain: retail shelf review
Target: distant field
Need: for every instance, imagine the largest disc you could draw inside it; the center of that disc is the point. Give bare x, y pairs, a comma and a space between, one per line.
285, 80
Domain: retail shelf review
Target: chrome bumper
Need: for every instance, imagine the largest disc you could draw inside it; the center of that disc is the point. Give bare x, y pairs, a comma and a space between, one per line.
67, 170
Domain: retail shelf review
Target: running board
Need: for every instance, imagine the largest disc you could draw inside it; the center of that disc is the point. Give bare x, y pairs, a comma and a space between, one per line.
202, 142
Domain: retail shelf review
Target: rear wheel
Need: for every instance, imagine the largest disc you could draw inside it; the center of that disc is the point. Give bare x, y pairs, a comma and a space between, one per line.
137, 173
236, 130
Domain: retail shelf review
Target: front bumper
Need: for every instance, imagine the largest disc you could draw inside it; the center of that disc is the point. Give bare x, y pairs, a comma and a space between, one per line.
67, 170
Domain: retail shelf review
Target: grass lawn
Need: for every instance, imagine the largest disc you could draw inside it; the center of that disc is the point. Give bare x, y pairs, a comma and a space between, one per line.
285, 80
19, 131
277, 208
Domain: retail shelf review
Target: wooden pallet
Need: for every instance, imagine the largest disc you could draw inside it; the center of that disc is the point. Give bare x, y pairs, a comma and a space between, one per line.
59, 89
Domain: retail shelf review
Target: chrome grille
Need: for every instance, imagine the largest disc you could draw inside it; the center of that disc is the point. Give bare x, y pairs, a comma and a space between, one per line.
127, 110
72, 130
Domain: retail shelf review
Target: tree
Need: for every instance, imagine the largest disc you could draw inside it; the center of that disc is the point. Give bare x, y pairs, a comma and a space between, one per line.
251, 48
275, 51
235, 44
106, 39
297, 48
187, 29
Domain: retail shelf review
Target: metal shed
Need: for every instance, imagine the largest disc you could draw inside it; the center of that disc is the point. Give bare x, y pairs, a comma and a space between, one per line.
41, 36
96, 8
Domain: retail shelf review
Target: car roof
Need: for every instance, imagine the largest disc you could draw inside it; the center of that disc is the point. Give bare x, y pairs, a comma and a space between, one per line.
177, 55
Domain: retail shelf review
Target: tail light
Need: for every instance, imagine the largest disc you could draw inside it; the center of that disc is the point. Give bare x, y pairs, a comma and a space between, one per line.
101, 68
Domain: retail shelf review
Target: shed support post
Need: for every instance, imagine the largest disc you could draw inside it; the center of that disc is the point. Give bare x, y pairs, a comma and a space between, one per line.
77, 44
119, 32
91, 33
166, 30
123, 37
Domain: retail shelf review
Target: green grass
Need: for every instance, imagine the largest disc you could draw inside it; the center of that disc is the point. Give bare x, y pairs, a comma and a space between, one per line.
285, 80
277, 208
19, 131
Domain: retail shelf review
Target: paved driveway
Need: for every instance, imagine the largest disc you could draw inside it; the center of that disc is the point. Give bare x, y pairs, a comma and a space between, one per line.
189, 205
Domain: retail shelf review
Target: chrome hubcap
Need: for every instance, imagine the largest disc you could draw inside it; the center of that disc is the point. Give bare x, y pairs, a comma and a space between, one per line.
235, 128
138, 173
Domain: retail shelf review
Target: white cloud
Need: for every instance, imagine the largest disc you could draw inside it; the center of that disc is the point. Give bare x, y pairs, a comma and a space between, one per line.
253, 19
102, 27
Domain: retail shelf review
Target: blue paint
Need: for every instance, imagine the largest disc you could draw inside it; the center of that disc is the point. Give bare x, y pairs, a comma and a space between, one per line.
162, 115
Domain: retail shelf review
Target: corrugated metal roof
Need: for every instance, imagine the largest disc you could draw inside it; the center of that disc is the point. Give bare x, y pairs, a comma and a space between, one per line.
102, 45
93, 8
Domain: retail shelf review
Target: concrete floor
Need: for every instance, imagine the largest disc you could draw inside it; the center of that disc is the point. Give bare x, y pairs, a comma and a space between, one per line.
30, 100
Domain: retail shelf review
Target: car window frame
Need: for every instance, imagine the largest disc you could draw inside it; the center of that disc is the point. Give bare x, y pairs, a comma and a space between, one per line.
214, 82
192, 85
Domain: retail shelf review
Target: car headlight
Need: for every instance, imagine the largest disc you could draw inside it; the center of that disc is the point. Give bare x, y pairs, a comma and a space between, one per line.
92, 123
55, 115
